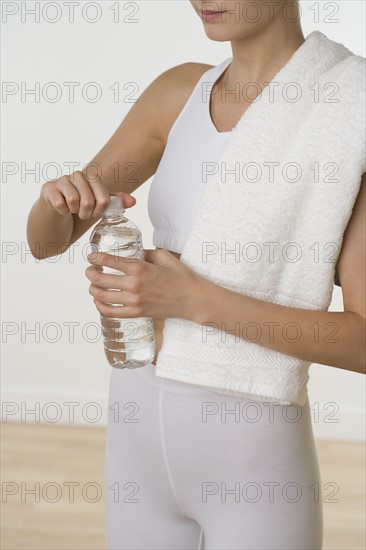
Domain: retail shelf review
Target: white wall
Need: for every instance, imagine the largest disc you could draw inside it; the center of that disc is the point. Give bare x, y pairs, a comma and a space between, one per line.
54, 293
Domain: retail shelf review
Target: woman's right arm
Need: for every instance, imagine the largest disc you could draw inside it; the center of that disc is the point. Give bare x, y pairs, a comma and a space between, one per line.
69, 206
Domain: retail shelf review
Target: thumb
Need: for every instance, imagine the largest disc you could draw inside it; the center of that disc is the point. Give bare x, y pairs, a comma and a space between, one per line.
158, 256
128, 200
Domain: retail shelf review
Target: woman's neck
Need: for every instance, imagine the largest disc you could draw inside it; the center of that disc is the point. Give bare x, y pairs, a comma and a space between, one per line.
258, 57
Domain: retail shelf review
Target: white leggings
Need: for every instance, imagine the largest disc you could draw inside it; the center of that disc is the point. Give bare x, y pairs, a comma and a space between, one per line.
187, 468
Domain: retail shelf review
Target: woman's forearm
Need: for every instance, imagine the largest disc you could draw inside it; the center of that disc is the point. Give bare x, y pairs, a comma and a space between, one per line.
47, 231
330, 338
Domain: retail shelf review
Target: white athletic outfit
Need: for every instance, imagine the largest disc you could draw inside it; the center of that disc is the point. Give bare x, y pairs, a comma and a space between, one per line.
187, 468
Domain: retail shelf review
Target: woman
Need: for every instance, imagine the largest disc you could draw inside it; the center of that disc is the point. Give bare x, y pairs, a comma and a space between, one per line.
186, 467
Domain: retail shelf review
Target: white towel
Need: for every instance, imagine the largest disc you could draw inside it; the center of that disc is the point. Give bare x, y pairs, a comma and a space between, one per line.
285, 221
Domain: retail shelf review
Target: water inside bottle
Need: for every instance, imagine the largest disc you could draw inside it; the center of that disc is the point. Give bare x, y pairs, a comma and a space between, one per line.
128, 342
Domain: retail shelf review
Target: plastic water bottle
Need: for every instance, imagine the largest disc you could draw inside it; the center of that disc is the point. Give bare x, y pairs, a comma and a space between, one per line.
128, 342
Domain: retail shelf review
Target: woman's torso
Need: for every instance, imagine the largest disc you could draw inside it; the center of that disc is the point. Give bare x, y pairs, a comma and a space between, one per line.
178, 183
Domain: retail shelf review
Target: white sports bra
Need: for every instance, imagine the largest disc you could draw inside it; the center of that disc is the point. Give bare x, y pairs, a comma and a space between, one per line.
177, 185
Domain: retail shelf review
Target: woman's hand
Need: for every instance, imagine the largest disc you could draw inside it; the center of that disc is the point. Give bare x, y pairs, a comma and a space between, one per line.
77, 194
160, 286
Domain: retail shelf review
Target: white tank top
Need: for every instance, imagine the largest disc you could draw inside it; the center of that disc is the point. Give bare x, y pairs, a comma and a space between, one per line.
177, 186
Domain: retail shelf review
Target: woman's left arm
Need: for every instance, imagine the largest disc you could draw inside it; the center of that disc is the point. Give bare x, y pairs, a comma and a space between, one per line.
330, 338
160, 286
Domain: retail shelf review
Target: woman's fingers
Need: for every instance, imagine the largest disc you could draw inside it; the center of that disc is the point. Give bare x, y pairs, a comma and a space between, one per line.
54, 198
118, 312
79, 194
102, 198
117, 297
128, 283
108, 296
70, 193
113, 289
87, 200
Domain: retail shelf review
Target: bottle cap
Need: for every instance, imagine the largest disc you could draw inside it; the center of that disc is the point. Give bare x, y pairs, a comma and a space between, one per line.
115, 205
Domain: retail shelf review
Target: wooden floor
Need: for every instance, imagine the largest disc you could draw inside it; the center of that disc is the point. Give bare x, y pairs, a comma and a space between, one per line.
60, 455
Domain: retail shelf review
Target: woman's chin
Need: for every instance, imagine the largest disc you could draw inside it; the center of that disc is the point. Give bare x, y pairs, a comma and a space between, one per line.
218, 34
225, 33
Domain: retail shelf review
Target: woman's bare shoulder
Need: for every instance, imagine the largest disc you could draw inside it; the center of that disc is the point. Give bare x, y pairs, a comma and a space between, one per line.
173, 87
190, 70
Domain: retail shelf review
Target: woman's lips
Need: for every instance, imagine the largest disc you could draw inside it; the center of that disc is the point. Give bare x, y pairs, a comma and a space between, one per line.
211, 15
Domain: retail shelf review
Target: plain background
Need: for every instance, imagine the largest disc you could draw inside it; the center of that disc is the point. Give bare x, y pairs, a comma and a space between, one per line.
49, 366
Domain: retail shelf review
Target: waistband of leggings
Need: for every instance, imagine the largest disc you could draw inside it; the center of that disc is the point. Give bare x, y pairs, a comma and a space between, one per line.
167, 384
